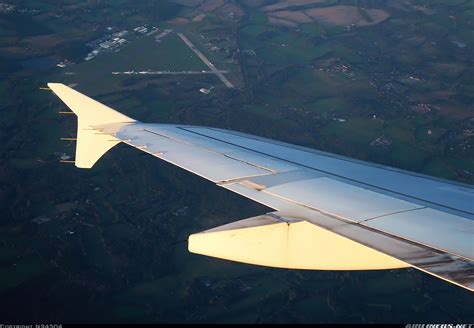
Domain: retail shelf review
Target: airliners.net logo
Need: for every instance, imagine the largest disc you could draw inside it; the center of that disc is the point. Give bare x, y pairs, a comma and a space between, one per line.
439, 325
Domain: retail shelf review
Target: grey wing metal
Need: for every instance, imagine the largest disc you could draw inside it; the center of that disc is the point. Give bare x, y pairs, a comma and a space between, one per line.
326, 206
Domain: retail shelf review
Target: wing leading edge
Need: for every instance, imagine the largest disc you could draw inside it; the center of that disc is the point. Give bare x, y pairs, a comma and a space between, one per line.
332, 212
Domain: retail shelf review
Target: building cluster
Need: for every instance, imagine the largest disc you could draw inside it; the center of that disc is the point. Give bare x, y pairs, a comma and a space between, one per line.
341, 68
459, 44
468, 132
28, 11
145, 29
249, 52
381, 141
421, 108
205, 91
465, 145
107, 43
41, 219
223, 45
6, 7
181, 212
62, 156
141, 29
65, 63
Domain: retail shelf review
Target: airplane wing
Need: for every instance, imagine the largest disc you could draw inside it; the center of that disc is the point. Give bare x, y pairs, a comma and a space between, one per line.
331, 212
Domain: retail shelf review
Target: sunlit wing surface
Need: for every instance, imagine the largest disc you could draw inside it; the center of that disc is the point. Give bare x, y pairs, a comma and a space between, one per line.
331, 212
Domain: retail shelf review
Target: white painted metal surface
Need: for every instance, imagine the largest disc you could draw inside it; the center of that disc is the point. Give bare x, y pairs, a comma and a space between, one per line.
436, 191
340, 199
220, 147
208, 164
437, 229
422, 221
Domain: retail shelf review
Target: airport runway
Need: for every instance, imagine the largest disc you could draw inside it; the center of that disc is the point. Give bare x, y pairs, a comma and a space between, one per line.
166, 72
206, 61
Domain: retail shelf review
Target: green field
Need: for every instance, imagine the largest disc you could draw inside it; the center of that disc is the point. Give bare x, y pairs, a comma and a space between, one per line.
95, 76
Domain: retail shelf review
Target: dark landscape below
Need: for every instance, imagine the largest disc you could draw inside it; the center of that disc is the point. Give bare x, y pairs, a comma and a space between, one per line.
383, 81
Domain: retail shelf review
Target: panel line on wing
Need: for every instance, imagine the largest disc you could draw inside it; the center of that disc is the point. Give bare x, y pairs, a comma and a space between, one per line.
308, 206
329, 155
257, 196
333, 215
330, 173
211, 150
403, 211
160, 155
392, 233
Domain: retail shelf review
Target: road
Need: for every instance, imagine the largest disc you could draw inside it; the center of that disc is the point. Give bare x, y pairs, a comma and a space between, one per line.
165, 72
206, 61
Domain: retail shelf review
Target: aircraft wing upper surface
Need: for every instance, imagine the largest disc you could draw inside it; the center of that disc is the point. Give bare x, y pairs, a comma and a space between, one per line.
331, 212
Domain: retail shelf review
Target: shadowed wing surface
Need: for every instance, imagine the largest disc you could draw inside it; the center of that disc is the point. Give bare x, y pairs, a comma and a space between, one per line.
408, 219
419, 220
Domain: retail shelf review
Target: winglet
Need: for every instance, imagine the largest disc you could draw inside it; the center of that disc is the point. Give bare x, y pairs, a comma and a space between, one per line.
90, 113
